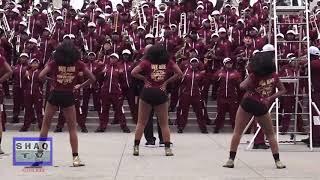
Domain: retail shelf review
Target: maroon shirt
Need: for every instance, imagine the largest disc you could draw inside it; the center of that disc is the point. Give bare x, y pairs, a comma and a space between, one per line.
65, 77
263, 87
156, 74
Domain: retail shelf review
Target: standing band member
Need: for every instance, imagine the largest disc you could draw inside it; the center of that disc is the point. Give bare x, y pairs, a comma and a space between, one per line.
260, 93
7, 72
156, 66
63, 70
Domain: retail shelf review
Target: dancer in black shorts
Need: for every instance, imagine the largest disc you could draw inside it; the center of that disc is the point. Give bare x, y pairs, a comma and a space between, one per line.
64, 68
260, 88
156, 67
6, 72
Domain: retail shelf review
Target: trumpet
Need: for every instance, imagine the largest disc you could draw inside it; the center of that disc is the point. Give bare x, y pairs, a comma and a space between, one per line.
213, 24
85, 42
182, 25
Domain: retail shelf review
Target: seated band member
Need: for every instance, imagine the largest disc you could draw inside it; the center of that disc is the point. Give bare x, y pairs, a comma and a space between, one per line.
155, 68
260, 88
63, 71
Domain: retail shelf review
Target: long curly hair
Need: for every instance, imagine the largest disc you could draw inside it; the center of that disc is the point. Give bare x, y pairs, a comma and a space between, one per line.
66, 54
263, 64
157, 54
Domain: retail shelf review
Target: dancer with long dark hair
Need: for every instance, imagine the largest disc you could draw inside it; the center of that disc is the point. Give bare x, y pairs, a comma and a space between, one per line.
6, 73
64, 68
260, 88
153, 70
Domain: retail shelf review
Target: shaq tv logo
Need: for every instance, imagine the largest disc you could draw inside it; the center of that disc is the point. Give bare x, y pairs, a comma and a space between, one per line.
32, 151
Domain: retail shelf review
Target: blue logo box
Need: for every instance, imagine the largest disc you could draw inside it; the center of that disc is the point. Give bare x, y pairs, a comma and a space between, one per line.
32, 151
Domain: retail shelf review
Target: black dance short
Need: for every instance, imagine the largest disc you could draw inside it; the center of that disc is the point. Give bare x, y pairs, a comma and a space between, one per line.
254, 107
62, 99
153, 96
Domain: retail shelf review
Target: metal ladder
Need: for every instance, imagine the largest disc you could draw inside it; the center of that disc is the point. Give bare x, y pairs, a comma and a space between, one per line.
300, 27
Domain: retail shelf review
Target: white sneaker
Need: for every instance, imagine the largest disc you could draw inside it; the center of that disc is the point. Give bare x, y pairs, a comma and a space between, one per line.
279, 165
77, 162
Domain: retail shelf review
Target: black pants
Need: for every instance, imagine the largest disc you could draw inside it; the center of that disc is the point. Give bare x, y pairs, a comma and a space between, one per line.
148, 130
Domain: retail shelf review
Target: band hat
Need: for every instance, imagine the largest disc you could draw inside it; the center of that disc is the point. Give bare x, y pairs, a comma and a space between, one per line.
91, 24
314, 51
108, 7
225, 60
194, 59
18, 6
267, 48
47, 29
59, 18
254, 28
200, 7
98, 10
141, 27
66, 36
214, 34
33, 40
24, 55
280, 35
15, 10
227, 5
119, 4
241, 20
23, 23
203, 21
57, 11
255, 52
199, 2
291, 32
34, 60
222, 30
289, 55
92, 53
114, 55
215, 12
149, 36
265, 7
126, 51
173, 25
72, 36
39, 4
145, 5
35, 9
101, 16
161, 15
132, 22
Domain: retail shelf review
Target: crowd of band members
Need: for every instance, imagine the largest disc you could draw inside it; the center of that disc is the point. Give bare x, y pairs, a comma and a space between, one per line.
214, 53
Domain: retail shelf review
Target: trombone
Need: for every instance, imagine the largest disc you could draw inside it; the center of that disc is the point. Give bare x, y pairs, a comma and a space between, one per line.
182, 30
4, 25
155, 26
85, 43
